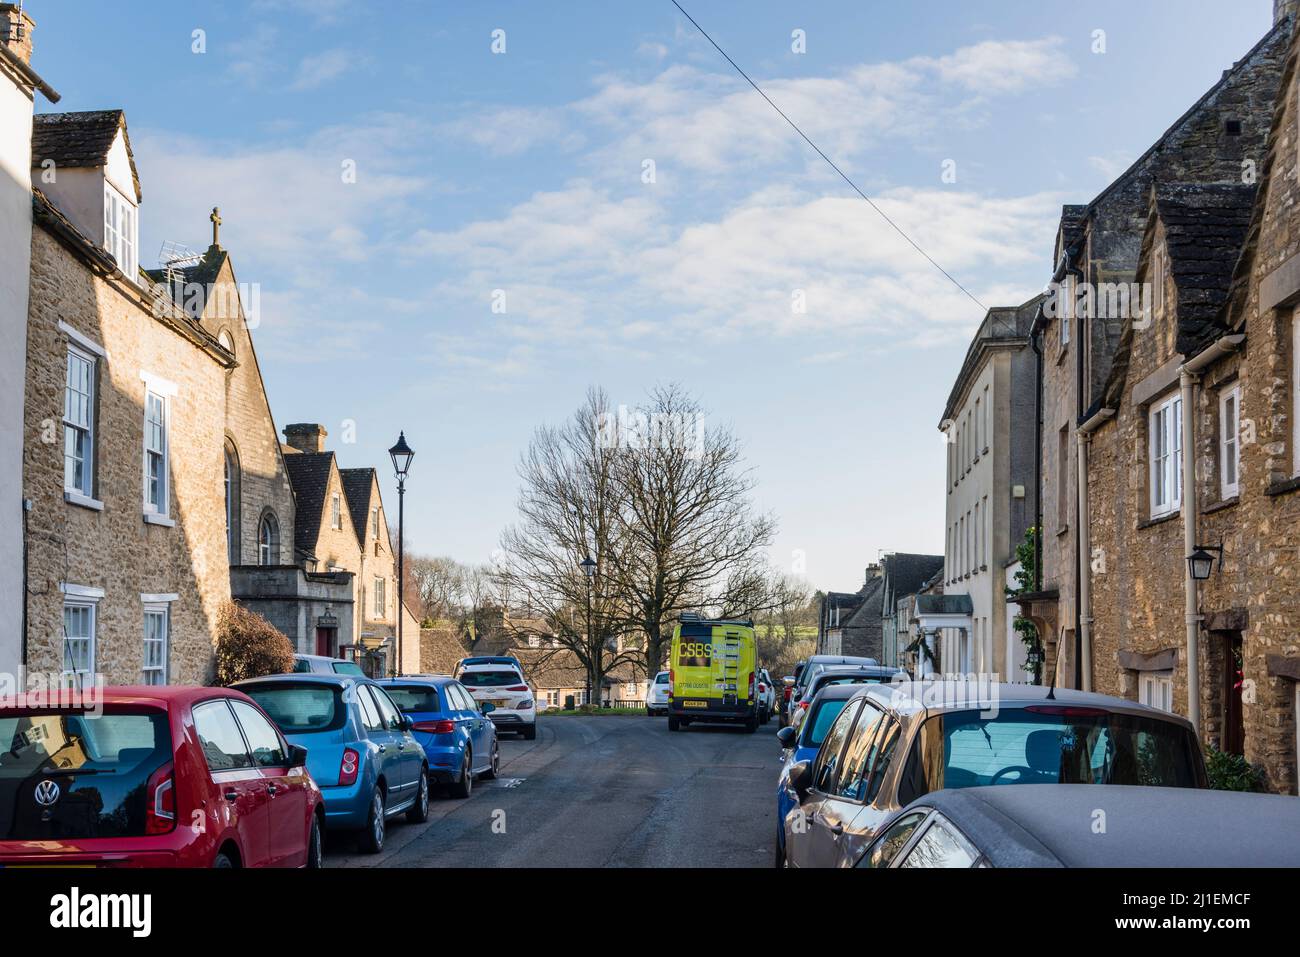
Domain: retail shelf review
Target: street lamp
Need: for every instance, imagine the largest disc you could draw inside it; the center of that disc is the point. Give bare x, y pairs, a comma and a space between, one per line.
589, 570
1201, 561
401, 454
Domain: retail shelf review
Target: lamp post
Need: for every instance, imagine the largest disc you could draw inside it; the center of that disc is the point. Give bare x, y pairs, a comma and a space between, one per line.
589, 570
401, 454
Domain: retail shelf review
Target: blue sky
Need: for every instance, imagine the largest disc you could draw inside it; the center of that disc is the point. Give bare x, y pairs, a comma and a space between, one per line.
523, 172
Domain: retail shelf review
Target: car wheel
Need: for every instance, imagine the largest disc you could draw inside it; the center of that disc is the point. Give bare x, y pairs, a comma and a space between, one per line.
315, 846
372, 836
222, 861
673, 723
419, 812
463, 786
530, 733
491, 773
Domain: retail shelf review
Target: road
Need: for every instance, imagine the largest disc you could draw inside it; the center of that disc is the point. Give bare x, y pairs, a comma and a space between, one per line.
601, 792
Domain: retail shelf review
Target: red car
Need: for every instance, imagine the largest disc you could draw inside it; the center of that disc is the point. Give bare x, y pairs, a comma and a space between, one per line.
155, 777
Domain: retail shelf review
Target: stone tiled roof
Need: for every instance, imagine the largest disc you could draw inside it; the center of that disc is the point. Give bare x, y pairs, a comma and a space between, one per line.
906, 572
80, 140
1205, 226
309, 474
357, 484
869, 605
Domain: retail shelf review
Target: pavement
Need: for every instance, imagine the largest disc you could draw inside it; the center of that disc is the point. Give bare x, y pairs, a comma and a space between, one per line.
607, 791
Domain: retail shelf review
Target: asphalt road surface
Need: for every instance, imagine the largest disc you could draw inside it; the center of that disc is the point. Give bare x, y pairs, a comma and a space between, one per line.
601, 792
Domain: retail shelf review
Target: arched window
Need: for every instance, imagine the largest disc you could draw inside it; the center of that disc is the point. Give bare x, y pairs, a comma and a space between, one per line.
232, 502
268, 540
226, 341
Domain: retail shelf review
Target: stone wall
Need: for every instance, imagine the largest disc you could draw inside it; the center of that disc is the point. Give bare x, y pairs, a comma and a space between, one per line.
112, 548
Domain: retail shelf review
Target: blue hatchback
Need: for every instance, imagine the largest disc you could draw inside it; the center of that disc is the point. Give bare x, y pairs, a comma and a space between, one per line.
802, 744
360, 749
459, 740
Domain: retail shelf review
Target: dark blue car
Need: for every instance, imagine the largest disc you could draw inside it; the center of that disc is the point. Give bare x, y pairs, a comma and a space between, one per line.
802, 744
360, 748
459, 740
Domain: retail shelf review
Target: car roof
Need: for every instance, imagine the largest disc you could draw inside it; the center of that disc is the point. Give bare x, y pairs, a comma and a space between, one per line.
152, 696
836, 692
494, 665
871, 670
937, 697
306, 677
433, 680
1143, 826
840, 660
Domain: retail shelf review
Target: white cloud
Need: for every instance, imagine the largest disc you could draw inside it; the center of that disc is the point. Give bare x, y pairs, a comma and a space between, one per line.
1005, 66
318, 69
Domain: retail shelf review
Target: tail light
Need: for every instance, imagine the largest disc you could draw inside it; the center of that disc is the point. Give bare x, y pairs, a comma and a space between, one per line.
518, 688
762, 689
672, 676
160, 797
751, 684
443, 726
524, 705
349, 766
803, 704
788, 692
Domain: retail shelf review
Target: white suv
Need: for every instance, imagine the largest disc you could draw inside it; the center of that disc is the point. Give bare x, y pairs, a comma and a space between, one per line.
656, 700
501, 681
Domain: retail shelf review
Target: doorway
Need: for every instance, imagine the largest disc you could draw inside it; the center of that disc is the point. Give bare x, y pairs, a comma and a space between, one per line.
1234, 727
326, 641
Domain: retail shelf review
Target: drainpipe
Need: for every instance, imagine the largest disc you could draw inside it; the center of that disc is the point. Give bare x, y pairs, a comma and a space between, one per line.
1189, 374
1036, 343
1083, 536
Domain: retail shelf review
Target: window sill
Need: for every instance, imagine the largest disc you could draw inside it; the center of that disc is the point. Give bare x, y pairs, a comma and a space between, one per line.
1159, 520
153, 518
1283, 487
1221, 505
82, 501
1064, 529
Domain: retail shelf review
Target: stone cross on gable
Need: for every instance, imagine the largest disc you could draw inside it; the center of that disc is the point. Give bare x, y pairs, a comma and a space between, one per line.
216, 225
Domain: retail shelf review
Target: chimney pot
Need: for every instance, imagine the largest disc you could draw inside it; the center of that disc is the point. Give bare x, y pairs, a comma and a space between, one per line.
306, 436
16, 31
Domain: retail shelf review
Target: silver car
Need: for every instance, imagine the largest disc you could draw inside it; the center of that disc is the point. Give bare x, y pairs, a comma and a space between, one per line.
893, 743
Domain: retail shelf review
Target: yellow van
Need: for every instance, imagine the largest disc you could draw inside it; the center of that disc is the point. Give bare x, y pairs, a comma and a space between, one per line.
712, 669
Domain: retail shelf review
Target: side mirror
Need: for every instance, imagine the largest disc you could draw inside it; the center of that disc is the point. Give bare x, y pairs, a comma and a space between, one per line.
801, 778
297, 756
786, 736
405, 723
487, 707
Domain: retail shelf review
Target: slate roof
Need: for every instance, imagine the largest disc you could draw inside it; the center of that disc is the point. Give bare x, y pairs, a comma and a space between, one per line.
1205, 227
80, 140
870, 602
309, 474
1205, 230
906, 572
356, 489
203, 273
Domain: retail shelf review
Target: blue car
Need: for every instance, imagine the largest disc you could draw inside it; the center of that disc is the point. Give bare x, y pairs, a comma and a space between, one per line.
802, 744
360, 749
459, 740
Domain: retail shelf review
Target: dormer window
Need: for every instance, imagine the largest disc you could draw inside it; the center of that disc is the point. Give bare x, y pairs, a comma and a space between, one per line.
120, 231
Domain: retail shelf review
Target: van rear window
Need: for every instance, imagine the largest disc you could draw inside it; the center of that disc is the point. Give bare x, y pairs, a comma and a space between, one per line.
68, 775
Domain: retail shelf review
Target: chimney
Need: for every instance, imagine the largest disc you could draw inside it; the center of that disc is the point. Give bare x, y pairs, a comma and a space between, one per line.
873, 572
306, 436
16, 31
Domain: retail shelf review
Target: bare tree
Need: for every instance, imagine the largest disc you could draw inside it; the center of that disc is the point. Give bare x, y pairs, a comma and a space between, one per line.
569, 511
689, 537
435, 586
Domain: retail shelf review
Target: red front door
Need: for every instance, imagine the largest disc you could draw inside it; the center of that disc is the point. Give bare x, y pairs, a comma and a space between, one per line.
325, 642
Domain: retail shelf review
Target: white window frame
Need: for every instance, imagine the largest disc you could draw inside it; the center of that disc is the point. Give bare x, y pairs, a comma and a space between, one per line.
162, 611
374, 523
1165, 441
1156, 689
1067, 310
80, 599
336, 511
122, 231
264, 547
87, 487
379, 598
161, 506
1230, 442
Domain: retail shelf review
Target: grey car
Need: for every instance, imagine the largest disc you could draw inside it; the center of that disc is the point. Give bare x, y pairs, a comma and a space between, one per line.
894, 743
1056, 825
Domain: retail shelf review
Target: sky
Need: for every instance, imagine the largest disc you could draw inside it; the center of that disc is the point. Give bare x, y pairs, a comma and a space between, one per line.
456, 231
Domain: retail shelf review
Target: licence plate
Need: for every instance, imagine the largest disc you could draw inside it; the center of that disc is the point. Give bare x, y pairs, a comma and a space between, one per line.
497, 703
695, 704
